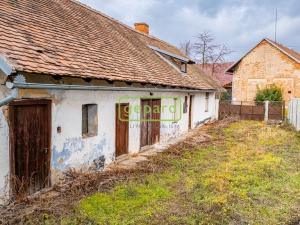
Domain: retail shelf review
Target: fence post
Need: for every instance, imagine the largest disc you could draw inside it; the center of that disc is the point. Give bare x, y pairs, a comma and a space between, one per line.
217, 109
266, 110
297, 115
283, 112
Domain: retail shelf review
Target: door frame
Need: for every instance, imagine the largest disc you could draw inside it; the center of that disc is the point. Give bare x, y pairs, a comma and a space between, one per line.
116, 131
191, 112
24, 102
149, 123
142, 123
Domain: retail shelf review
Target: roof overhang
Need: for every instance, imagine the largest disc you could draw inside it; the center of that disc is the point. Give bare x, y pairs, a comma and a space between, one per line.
23, 85
232, 67
182, 59
282, 50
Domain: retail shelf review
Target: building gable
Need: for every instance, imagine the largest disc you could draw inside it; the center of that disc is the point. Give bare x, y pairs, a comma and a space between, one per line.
265, 64
265, 60
295, 56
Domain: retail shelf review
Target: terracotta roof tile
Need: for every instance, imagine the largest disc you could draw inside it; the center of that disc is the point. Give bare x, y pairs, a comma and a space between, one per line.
287, 50
219, 72
64, 37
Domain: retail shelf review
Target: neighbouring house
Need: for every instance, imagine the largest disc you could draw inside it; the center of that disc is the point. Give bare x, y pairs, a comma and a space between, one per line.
219, 72
79, 88
267, 63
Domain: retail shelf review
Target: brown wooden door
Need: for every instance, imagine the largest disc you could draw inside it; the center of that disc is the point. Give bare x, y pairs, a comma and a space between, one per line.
30, 140
150, 122
145, 125
190, 112
122, 129
155, 124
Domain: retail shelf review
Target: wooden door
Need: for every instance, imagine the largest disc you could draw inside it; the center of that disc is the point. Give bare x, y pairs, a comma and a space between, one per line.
150, 122
191, 112
155, 124
122, 129
145, 125
30, 140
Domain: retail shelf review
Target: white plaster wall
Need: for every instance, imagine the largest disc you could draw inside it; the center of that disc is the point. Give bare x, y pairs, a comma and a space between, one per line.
198, 109
69, 149
4, 148
172, 129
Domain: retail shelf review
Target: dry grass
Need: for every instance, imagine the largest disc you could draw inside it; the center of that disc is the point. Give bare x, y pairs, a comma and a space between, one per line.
227, 173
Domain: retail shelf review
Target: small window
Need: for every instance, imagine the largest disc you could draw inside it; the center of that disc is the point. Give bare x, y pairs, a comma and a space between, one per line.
183, 67
185, 104
206, 101
89, 120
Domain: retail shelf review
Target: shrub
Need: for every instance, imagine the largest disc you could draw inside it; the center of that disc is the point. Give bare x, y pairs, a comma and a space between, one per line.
271, 93
225, 96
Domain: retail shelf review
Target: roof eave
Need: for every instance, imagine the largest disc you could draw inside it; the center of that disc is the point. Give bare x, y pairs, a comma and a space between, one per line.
282, 50
232, 68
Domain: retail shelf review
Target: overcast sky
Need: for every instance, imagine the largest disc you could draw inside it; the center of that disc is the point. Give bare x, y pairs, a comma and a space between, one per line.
239, 24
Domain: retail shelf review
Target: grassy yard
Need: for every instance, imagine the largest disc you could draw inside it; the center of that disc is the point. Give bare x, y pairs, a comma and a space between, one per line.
248, 174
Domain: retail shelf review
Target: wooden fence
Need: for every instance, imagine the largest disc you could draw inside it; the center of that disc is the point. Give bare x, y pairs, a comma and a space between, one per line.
252, 110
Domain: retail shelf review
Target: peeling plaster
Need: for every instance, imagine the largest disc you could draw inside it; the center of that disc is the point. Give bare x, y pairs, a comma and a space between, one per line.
70, 150
75, 153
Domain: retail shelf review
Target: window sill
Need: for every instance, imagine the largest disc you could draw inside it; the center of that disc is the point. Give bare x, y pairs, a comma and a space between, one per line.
85, 136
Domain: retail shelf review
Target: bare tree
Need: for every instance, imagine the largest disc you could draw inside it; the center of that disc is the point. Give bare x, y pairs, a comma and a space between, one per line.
218, 56
204, 47
208, 52
186, 48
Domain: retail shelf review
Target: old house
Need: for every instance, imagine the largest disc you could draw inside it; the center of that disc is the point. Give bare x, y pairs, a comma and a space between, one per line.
267, 63
79, 88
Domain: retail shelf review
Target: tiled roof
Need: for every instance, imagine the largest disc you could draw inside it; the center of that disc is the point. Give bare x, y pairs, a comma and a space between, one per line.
219, 72
66, 38
290, 52
285, 50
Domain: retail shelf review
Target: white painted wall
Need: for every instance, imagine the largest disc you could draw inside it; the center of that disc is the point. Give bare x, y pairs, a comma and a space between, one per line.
198, 109
4, 146
69, 149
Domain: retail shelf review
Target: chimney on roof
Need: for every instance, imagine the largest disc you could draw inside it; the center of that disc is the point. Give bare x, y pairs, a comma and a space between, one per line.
142, 27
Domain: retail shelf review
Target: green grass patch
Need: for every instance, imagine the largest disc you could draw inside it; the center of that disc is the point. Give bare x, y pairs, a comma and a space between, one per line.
252, 178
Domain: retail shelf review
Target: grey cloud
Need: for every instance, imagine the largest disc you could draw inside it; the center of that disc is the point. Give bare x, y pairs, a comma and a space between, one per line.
240, 24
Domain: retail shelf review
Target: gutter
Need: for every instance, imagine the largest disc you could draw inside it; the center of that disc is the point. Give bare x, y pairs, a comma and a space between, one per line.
9, 98
6, 70
5, 67
98, 88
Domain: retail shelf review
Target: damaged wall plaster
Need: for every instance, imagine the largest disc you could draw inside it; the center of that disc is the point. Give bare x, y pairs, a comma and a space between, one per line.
70, 150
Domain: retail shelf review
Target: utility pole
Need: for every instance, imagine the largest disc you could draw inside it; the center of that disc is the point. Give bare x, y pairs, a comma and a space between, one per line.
276, 18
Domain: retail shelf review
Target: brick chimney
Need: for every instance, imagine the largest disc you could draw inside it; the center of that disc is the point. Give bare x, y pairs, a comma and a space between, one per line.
142, 27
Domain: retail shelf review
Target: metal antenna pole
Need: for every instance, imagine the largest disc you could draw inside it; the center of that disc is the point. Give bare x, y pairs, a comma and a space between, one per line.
276, 18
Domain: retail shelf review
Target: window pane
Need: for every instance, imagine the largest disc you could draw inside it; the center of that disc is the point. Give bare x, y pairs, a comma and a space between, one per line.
206, 101
89, 120
84, 119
